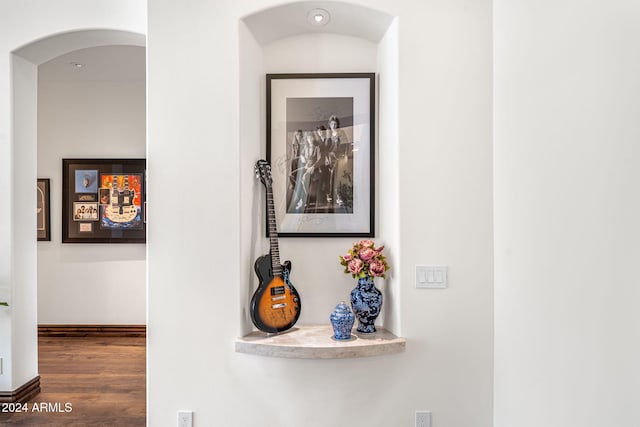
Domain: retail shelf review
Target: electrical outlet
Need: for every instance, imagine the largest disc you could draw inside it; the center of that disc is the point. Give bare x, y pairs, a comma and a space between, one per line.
423, 419
185, 418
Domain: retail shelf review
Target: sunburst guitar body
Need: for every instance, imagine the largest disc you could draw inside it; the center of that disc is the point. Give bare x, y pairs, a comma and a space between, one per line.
275, 305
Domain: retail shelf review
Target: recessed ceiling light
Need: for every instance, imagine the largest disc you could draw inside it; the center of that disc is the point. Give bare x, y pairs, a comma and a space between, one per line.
77, 64
318, 17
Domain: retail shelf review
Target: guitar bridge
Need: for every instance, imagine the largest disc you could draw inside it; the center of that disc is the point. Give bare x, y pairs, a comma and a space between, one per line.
278, 298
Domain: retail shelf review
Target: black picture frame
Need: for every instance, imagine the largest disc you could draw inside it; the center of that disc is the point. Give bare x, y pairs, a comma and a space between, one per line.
327, 191
109, 198
43, 209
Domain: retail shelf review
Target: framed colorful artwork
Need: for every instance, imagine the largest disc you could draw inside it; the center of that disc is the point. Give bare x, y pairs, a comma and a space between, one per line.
103, 201
321, 146
43, 210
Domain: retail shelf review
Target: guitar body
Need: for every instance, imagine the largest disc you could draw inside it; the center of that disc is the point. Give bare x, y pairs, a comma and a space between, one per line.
275, 305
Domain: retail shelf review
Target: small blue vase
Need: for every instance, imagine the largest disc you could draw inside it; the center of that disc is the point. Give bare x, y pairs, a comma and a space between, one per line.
342, 320
366, 301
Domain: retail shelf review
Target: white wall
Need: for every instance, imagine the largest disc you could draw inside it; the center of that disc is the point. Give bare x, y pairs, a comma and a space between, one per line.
23, 318
567, 174
23, 23
445, 185
198, 274
83, 118
388, 167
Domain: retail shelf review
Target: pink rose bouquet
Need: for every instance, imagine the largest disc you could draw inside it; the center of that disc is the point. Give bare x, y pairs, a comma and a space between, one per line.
364, 259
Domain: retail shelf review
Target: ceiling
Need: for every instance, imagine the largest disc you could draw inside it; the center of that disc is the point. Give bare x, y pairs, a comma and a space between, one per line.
291, 19
112, 63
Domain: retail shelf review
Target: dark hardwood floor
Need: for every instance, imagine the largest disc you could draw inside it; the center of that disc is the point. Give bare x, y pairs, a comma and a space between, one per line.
87, 381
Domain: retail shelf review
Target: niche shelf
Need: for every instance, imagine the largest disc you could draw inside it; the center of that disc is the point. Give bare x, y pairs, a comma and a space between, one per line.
316, 342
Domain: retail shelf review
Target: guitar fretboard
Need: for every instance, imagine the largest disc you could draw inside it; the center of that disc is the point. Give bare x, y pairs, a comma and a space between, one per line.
276, 268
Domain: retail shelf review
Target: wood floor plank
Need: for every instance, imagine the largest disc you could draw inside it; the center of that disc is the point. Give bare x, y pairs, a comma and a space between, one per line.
87, 381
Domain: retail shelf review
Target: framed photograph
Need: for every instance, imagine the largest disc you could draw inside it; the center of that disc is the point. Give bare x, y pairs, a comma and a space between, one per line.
43, 211
321, 146
84, 211
103, 200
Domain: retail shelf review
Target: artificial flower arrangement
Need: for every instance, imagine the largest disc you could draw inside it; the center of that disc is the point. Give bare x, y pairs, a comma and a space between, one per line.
363, 259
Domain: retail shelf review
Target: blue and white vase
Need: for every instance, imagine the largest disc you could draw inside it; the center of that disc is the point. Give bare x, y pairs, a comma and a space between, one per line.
366, 302
342, 320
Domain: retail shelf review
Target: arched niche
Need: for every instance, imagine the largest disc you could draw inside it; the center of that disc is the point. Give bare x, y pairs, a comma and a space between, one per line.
282, 40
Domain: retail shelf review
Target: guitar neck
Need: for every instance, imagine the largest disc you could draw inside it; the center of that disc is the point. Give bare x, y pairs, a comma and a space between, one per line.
276, 267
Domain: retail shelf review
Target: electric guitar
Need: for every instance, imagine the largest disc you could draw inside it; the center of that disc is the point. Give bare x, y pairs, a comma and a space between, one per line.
275, 305
122, 208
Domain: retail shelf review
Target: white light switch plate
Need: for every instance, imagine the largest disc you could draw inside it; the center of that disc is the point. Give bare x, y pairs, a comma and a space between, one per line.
431, 277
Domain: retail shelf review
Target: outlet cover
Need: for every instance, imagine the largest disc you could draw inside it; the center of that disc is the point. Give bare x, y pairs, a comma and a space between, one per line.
423, 419
185, 418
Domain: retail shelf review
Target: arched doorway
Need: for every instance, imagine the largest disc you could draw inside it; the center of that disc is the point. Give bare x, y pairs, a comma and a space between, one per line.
20, 376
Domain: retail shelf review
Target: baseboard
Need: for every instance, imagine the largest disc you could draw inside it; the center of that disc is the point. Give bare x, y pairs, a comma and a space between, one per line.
92, 331
22, 394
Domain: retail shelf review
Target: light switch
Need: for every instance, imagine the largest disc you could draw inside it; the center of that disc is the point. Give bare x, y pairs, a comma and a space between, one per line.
421, 276
431, 277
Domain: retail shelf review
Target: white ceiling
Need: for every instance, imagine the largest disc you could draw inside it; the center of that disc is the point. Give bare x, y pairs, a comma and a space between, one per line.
291, 19
128, 62
113, 63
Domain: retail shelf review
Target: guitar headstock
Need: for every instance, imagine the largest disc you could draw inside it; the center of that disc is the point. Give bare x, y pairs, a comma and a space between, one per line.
263, 172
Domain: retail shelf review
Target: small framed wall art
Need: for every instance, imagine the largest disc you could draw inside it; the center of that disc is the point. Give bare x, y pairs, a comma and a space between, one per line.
43, 210
321, 145
103, 200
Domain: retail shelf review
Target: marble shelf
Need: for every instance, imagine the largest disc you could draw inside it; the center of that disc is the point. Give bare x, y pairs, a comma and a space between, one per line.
316, 342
